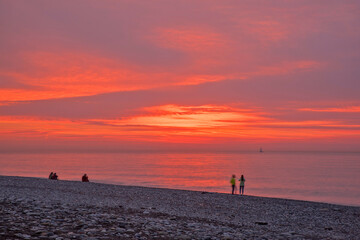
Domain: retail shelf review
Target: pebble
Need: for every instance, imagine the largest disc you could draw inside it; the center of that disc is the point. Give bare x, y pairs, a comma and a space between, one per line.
72, 210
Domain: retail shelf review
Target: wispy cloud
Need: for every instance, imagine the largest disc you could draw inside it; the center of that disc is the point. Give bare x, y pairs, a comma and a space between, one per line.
350, 109
189, 39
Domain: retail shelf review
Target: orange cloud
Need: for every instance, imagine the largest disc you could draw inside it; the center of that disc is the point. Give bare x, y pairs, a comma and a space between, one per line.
199, 79
181, 124
63, 75
287, 68
203, 46
193, 116
76, 74
188, 39
59, 75
208, 49
352, 109
269, 31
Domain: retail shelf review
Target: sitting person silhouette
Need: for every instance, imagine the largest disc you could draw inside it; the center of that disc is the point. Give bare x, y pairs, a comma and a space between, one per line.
85, 178
54, 176
51, 175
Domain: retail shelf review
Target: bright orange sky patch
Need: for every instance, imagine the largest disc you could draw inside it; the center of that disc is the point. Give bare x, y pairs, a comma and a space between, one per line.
176, 123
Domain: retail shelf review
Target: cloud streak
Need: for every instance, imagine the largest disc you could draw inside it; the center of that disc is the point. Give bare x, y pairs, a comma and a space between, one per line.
352, 109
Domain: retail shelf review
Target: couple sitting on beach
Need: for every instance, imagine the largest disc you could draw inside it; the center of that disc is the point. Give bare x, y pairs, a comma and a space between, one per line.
233, 184
53, 176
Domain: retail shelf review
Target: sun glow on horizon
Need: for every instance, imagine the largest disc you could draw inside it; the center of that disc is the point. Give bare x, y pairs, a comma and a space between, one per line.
175, 123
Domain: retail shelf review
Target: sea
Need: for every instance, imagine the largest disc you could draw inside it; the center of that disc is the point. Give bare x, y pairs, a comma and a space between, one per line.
313, 176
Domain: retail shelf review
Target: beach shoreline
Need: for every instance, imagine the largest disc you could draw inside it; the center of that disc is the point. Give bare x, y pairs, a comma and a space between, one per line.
37, 208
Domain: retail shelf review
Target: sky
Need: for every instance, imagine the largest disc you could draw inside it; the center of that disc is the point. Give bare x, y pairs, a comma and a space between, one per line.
179, 75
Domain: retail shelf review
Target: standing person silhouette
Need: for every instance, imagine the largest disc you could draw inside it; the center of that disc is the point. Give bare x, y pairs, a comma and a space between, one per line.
242, 185
232, 181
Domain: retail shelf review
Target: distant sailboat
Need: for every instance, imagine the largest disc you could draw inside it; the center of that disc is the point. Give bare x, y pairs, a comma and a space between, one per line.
261, 150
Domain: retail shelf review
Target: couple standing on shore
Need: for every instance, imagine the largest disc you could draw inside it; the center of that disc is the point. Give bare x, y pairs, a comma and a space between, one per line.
233, 184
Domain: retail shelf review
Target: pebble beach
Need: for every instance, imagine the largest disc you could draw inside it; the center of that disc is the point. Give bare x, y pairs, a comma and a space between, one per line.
37, 208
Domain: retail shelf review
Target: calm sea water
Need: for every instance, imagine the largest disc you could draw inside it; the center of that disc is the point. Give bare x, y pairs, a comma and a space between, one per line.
324, 177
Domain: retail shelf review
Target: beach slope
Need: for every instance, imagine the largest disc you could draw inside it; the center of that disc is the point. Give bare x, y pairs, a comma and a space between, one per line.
34, 208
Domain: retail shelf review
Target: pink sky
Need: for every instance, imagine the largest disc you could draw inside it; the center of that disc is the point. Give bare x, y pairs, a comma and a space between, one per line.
223, 75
